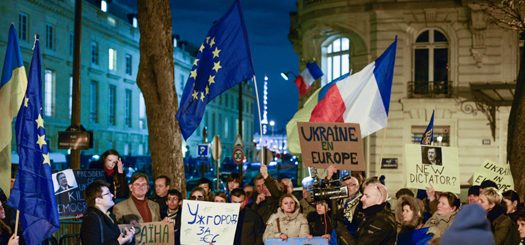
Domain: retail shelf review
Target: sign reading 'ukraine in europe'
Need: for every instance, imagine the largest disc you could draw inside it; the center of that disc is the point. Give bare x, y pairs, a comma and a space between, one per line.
222, 62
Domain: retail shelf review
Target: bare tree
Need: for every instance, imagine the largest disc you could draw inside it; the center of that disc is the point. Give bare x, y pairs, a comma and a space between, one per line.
155, 80
509, 14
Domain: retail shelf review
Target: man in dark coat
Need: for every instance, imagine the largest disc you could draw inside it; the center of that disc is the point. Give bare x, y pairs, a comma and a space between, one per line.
97, 226
250, 227
267, 200
377, 226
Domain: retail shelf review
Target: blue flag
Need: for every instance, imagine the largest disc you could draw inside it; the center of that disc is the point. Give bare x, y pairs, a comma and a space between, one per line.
428, 136
223, 61
33, 194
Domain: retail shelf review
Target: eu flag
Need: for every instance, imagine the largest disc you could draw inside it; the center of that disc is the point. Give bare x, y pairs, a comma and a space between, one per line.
223, 61
33, 193
428, 136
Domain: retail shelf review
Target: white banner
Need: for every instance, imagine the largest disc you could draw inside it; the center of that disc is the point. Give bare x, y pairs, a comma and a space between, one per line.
208, 222
432, 166
499, 173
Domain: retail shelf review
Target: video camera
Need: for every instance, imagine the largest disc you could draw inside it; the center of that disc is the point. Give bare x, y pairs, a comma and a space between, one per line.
328, 191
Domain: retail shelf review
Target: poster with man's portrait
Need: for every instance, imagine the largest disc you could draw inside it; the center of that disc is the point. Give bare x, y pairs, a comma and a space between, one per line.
64, 181
432, 166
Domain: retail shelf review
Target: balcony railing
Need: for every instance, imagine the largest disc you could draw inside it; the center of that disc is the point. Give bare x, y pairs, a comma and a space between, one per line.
430, 89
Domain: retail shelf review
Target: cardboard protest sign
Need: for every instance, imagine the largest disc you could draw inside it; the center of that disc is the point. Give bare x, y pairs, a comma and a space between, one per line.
160, 233
499, 173
208, 222
71, 202
432, 166
294, 241
340, 144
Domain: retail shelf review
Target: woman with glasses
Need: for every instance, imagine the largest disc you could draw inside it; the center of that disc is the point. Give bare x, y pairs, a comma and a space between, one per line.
447, 208
198, 194
288, 221
98, 225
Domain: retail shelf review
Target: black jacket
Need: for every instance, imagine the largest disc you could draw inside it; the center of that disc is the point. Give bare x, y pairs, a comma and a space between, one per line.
319, 224
97, 228
270, 205
377, 227
250, 228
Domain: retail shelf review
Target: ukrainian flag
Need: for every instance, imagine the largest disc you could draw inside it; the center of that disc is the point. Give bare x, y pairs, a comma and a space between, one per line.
13, 85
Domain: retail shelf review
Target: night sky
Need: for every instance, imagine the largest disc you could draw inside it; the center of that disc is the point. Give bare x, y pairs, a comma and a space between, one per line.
268, 24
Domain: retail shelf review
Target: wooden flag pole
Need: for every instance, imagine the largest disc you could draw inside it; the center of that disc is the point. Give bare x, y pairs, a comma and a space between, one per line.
16, 223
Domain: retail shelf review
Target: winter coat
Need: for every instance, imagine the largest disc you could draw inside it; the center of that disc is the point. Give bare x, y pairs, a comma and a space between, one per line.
293, 225
319, 224
378, 227
437, 224
505, 231
98, 228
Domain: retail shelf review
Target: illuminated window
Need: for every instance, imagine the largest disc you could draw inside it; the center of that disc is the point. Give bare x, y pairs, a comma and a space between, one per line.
112, 59
336, 59
49, 92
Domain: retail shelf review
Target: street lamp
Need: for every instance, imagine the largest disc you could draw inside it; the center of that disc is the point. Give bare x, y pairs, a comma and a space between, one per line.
286, 75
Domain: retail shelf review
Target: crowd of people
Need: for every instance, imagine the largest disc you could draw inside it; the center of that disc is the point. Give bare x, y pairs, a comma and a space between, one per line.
269, 209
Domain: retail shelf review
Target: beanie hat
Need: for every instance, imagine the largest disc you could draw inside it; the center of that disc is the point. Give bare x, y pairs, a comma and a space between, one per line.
469, 227
474, 190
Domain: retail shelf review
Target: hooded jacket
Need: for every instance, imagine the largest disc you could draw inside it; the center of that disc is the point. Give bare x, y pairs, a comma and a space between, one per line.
469, 228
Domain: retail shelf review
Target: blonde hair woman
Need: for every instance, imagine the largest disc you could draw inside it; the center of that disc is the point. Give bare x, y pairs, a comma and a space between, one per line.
504, 230
287, 221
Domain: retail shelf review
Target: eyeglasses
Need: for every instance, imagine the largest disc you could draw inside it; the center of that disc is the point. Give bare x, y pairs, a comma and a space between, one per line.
196, 197
106, 194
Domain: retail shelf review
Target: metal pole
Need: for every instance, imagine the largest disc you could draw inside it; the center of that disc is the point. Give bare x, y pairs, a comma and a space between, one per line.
240, 125
75, 112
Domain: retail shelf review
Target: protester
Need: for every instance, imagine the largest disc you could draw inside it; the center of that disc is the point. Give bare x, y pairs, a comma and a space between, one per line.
250, 227
320, 222
206, 185
287, 222
488, 183
5, 231
469, 228
504, 230
220, 197
287, 185
162, 186
447, 207
233, 182
409, 216
250, 197
115, 177
378, 225
521, 226
174, 212
267, 200
306, 201
198, 194
511, 199
137, 208
99, 227
473, 194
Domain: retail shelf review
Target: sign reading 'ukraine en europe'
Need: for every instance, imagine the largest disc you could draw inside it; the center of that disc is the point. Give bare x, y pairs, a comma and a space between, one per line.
323, 144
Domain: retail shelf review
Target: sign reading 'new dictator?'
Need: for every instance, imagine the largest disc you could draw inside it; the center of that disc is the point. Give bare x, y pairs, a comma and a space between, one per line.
323, 144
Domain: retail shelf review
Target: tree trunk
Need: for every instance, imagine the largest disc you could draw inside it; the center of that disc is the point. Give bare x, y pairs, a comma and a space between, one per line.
516, 131
155, 80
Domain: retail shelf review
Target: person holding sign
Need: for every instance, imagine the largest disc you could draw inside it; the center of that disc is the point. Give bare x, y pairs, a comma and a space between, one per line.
447, 208
99, 227
504, 230
288, 221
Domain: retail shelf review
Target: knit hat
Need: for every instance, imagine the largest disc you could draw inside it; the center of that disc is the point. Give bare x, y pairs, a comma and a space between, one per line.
470, 227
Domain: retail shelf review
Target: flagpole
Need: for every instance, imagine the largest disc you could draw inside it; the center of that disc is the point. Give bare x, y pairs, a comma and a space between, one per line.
16, 222
260, 122
381, 153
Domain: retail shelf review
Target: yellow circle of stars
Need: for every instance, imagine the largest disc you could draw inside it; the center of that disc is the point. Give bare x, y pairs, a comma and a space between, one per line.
209, 43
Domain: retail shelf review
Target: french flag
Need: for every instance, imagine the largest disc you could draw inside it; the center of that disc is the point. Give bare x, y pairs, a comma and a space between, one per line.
363, 97
304, 81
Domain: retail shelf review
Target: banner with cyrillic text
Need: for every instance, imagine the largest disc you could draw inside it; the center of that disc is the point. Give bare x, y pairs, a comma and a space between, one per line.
159, 233
208, 222
499, 173
434, 166
325, 144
